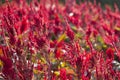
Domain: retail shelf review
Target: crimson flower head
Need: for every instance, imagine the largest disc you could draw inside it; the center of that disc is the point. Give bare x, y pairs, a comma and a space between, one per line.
70, 33
110, 53
63, 74
52, 44
24, 25
57, 53
12, 40
21, 26
40, 42
57, 30
7, 66
88, 32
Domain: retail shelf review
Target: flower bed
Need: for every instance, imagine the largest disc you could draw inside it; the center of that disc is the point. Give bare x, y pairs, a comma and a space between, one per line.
49, 41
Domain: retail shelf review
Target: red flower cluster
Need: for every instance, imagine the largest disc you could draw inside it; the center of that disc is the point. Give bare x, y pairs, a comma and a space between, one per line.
46, 40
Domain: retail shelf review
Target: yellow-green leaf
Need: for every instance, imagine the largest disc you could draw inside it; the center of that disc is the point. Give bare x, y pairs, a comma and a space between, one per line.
57, 73
117, 28
62, 37
43, 60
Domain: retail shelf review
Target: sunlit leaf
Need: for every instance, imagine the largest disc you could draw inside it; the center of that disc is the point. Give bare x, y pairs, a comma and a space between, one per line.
117, 28
62, 37
100, 39
57, 73
1, 63
43, 60
74, 28
78, 35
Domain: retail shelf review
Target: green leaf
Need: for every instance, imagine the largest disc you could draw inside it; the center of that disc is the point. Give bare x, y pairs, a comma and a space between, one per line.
100, 39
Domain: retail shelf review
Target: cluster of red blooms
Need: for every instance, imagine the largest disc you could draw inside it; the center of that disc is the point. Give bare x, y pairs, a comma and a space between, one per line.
48, 40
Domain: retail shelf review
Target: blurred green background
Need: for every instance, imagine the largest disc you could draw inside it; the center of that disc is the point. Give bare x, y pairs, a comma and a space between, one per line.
103, 2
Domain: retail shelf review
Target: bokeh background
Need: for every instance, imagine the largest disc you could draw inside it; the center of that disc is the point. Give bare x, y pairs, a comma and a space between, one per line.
103, 2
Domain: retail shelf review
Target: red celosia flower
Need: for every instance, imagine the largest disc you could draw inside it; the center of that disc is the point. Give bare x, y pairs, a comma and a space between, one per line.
59, 44
70, 33
58, 53
57, 30
24, 25
63, 75
17, 27
110, 53
95, 29
12, 40
88, 32
7, 67
106, 28
57, 20
40, 42
79, 63
95, 33
11, 31
85, 78
52, 44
